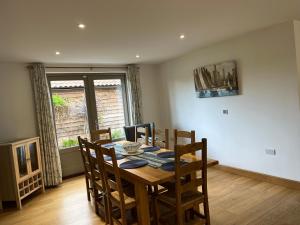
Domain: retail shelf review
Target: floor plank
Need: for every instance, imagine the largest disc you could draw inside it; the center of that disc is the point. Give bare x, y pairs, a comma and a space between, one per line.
234, 200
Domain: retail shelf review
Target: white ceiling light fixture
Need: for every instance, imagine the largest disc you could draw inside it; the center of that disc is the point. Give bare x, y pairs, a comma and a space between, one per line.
137, 56
81, 26
182, 36
57, 53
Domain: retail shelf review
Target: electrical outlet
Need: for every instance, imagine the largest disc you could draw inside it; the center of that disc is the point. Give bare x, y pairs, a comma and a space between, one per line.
225, 111
270, 151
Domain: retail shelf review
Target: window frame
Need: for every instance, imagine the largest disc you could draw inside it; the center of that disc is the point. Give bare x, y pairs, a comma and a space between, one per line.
90, 96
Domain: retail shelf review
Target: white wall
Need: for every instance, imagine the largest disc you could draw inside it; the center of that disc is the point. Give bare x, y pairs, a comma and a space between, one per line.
150, 95
265, 114
17, 114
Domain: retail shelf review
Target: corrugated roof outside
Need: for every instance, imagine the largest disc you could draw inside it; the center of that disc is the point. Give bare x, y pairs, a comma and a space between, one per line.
79, 83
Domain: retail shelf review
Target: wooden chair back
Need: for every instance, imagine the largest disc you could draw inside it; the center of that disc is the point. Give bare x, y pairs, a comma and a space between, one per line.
102, 136
84, 155
142, 131
162, 137
94, 161
97, 178
129, 133
180, 135
191, 183
86, 165
113, 183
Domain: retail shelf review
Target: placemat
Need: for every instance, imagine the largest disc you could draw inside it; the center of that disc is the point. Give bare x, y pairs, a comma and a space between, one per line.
108, 158
118, 157
151, 149
133, 164
170, 166
108, 145
169, 154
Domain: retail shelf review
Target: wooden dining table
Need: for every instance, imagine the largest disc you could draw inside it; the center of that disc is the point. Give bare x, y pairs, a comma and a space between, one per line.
147, 175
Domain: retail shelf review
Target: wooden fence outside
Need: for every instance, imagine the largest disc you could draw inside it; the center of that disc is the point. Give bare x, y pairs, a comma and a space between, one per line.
71, 119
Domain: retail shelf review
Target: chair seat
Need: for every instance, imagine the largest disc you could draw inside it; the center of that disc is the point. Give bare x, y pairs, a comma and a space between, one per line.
98, 184
128, 200
89, 175
187, 198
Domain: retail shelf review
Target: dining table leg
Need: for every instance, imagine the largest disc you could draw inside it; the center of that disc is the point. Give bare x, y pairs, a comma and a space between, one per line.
141, 195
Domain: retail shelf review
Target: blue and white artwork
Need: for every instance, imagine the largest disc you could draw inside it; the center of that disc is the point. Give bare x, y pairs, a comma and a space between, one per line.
216, 80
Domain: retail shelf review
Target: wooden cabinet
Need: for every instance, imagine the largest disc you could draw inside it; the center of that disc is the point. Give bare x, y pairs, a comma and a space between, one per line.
20, 170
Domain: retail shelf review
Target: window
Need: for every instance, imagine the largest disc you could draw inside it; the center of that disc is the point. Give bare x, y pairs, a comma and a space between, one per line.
110, 106
86, 102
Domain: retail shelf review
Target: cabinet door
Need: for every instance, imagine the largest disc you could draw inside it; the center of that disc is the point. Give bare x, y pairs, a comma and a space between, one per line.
34, 156
21, 158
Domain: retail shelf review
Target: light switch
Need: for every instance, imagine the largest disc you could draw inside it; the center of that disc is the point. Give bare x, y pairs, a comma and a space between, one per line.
270, 151
225, 111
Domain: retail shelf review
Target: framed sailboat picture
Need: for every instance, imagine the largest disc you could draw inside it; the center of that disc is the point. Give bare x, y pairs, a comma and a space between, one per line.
216, 80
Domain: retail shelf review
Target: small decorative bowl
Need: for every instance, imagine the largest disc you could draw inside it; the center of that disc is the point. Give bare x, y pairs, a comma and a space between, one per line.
131, 147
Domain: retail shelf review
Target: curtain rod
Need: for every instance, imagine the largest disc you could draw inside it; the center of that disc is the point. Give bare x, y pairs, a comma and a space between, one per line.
87, 67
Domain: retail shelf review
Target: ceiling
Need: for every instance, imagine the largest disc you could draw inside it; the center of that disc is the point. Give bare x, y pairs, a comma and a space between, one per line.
117, 30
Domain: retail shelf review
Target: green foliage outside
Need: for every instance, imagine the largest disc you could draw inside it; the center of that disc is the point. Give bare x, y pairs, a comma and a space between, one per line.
116, 134
58, 101
69, 143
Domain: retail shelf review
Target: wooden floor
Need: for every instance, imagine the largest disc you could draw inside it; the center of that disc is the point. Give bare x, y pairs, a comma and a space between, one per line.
234, 200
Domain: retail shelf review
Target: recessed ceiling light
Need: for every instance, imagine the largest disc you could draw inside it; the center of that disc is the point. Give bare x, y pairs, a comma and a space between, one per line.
137, 56
182, 36
81, 26
57, 53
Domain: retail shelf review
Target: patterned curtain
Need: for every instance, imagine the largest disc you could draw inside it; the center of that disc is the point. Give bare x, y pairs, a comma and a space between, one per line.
134, 92
46, 128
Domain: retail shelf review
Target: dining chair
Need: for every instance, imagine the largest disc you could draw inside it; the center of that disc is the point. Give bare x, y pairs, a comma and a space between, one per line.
97, 180
129, 133
160, 138
183, 137
102, 136
180, 138
184, 201
114, 188
87, 168
142, 135
130, 130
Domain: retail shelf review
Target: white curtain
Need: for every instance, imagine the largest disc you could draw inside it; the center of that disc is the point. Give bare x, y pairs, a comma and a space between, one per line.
46, 128
135, 96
